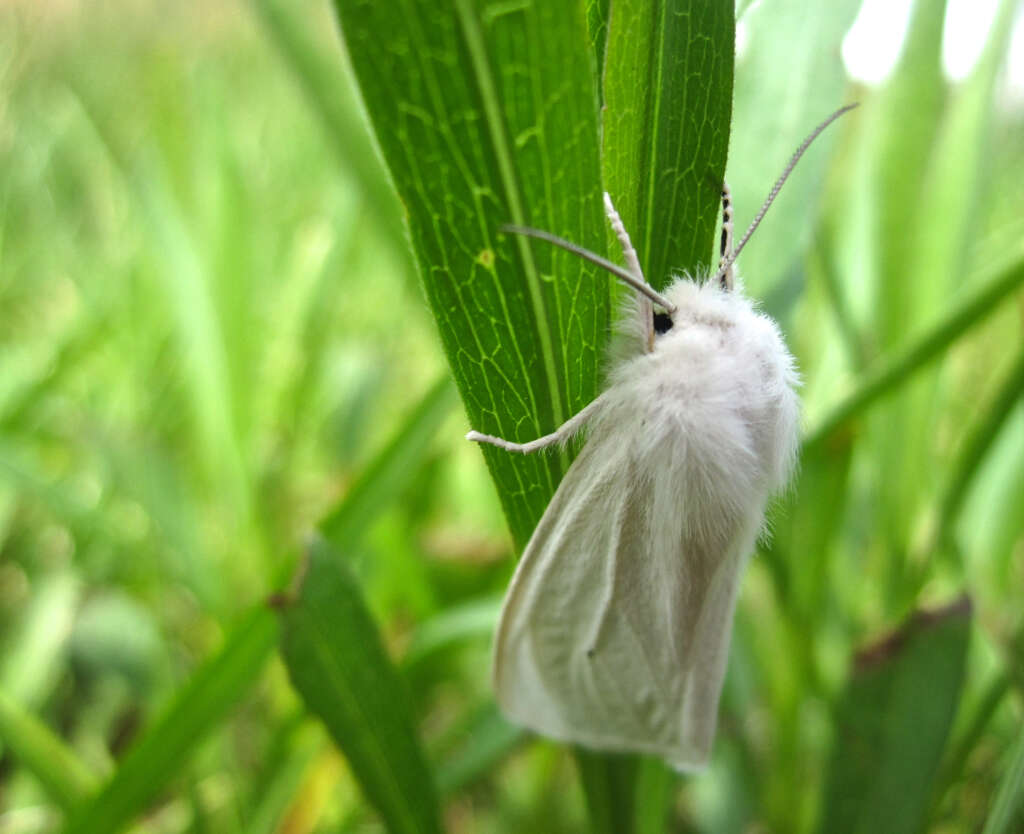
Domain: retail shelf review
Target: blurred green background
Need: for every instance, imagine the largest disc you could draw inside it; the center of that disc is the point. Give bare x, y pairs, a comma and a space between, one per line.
212, 339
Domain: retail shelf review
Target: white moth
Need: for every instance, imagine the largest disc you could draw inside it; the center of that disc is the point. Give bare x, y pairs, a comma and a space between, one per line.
615, 630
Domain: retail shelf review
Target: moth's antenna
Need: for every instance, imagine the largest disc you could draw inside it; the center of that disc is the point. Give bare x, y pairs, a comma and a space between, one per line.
587, 255
729, 261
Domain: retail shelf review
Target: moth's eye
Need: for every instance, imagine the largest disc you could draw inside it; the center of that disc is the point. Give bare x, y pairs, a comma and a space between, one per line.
662, 323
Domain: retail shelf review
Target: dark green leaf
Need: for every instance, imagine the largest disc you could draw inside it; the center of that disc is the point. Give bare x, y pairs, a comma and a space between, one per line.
893, 723
338, 664
668, 100
486, 114
197, 709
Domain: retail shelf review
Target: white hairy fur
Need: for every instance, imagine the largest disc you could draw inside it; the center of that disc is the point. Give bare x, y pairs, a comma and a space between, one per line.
616, 627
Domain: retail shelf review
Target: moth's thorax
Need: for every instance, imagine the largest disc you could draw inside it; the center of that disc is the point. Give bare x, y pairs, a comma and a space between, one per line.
716, 393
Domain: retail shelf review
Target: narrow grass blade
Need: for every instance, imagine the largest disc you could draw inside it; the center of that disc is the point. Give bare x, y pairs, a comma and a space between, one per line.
892, 372
198, 708
1007, 811
64, 777
668, 76
333, 98
486, 739
487, 115
389, 470
893, 723
336, 661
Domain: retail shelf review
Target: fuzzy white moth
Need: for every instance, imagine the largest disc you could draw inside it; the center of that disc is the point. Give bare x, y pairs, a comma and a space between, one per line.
616, 627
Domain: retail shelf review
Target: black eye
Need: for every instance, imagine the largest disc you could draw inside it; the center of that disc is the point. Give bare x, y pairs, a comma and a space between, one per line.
662, 323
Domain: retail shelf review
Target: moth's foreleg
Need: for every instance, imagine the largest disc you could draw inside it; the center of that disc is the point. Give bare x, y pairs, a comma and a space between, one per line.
561, 435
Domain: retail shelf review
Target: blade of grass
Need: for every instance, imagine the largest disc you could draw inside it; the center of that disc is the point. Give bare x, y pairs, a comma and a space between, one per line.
65, 778
486, 739
486, 115
904, 363
332, 96
336, 661
893, 722
668, 78
198, 708
1008, 805
381, 480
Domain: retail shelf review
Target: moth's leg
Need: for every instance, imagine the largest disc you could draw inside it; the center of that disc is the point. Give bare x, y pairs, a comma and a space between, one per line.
562, 434
725, 248
645, 308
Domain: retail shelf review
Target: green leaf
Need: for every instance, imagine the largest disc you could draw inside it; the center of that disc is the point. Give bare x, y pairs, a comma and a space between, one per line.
389, 470
893, 723
911, 98
668, 100
486, 114
198, 708
485, 739
891, 372
333, 98
338, 664
1007, 808
64, 776
788, 78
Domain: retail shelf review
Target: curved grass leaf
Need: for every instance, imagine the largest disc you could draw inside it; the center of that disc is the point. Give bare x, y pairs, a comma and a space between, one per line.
389, 470
62, 774
486, 114
667, 89
892, 372
338, 664
893, 723
1007, 811
197, 709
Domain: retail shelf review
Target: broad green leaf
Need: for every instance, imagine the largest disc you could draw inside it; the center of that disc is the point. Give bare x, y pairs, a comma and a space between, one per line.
891, 372
389, 470
788, 78
198, 708
668, 100
1007, 810
486, 113
65, 777
893, 722
336, 661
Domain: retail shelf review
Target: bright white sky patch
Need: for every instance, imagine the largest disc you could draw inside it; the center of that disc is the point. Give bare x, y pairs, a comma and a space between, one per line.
873, 44
967, 25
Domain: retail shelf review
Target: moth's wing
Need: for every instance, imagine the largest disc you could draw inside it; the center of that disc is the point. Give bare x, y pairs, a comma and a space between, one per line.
616, 626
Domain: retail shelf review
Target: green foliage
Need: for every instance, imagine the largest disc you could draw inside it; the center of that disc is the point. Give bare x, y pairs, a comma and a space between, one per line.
213, 340
335, 658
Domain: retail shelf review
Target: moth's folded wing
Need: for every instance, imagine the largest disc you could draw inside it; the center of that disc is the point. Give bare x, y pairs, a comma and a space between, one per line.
616, 627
